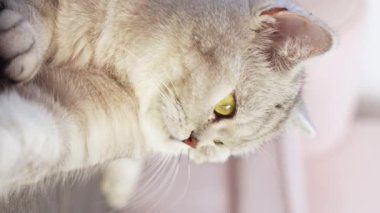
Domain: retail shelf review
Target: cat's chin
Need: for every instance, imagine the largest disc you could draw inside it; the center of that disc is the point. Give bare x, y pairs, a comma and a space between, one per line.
209, 154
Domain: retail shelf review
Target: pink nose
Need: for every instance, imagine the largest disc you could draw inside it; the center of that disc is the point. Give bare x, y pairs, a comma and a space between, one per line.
191, 141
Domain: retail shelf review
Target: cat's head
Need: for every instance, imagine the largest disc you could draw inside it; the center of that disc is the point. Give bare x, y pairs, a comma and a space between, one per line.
238, 81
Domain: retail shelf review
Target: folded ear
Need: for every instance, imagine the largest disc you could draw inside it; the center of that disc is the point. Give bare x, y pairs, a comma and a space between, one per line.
295, 37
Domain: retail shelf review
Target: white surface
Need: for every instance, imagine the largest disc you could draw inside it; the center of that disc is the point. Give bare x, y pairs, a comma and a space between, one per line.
370, 76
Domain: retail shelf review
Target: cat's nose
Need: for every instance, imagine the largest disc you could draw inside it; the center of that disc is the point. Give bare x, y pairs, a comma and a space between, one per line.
192, 141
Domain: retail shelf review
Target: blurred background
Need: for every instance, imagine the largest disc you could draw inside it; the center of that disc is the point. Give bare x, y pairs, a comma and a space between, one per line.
336, 172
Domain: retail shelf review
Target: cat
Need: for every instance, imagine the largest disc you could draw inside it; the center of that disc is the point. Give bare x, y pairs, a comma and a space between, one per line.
88, 82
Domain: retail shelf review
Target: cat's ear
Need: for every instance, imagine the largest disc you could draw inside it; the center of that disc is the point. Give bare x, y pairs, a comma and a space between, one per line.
294, 37
302, 121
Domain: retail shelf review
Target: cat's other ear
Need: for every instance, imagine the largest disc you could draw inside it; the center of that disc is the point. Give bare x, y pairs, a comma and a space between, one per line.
302, 121
294, 37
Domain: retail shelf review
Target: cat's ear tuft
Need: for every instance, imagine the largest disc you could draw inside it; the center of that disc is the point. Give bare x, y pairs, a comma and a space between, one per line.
302, 121
295, 37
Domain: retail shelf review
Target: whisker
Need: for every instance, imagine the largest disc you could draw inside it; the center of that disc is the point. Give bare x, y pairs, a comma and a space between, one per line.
187, 184
152, 167
169, 183
143, 191
172, 84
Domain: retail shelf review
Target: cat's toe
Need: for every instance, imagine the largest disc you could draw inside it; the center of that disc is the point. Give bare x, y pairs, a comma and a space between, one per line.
20, 56
116, 193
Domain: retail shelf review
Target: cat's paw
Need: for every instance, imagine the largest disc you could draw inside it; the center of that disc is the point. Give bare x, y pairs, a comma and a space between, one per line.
119, 182
20, 54
116, 193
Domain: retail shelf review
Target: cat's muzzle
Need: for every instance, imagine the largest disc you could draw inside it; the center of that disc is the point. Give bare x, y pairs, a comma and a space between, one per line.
192, 141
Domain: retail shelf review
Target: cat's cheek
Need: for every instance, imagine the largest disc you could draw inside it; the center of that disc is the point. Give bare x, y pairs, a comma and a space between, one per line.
210, 154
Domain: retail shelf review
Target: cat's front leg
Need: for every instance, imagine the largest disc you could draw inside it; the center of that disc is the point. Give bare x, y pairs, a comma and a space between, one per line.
119, 181
24, 39
30, 141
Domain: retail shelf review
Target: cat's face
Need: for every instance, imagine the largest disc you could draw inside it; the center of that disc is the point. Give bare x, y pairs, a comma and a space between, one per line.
227, 114
237, 86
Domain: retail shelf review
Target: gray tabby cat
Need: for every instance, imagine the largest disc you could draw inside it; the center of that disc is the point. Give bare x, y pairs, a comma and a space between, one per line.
86, 82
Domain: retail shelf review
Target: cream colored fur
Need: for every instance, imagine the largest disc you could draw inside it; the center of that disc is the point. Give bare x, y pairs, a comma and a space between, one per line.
104, 80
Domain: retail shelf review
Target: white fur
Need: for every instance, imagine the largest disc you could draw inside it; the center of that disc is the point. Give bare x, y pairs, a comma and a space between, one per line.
120, 180
29, 139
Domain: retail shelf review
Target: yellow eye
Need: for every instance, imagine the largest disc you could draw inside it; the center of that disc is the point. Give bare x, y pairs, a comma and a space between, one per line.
226, 107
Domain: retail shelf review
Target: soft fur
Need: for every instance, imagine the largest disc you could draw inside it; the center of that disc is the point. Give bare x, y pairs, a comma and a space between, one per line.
102, 80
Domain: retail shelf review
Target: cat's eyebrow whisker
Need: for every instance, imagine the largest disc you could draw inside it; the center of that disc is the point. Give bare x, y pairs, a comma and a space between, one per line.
163, 90
172, 84
167, 88
167, 100
163, 94
177, 103
174, 101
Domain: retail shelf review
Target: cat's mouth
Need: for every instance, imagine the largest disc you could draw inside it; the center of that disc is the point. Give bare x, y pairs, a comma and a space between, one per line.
191, 141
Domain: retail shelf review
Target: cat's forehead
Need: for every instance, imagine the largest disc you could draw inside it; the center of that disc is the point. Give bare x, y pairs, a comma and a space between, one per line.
267, 90
212, 82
